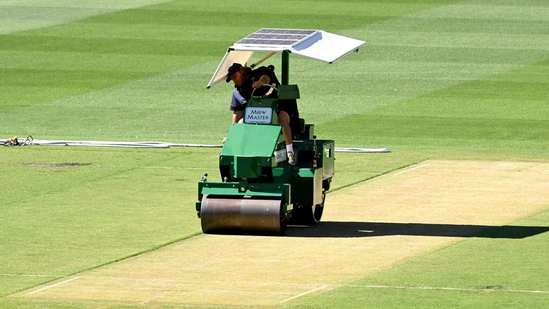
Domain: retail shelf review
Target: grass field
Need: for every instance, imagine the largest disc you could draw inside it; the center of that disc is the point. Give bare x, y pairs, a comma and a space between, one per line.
437, 80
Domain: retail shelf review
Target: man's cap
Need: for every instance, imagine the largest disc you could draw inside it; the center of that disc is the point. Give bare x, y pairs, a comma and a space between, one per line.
233, 69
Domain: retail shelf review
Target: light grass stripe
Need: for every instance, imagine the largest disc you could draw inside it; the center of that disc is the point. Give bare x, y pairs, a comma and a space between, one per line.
22, 15
458, 40
88, 4
479, 11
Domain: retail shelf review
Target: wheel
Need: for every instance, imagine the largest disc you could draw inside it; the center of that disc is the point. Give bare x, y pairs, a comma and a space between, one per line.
326, 184
319, 208
308, 215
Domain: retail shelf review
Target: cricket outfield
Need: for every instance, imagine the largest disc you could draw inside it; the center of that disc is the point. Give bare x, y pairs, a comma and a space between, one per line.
454, 216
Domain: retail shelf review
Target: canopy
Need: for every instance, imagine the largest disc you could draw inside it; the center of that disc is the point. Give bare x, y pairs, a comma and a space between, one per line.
315, 44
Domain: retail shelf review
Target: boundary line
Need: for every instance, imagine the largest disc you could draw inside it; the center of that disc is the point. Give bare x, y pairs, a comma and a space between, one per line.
53, 285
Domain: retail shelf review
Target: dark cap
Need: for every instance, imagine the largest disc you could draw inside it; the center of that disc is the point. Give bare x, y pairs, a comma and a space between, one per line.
233, 69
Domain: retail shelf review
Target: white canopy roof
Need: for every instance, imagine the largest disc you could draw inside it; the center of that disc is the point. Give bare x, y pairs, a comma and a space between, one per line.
316, 44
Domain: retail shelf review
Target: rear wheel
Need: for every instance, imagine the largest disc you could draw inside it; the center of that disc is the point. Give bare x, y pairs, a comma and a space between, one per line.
319, 208
308, 215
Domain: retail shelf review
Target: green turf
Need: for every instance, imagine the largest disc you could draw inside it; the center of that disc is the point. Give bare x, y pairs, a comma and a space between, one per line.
438, 79
80, 208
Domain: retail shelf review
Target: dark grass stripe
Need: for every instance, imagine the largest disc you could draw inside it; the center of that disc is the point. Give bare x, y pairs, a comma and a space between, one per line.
466, 55
432, 2
517, 94
23, 88
468, 25
440, 130
490, 89
79, 79
110, 46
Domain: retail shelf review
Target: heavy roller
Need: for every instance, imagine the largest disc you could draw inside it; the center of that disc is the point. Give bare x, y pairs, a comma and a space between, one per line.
259, 192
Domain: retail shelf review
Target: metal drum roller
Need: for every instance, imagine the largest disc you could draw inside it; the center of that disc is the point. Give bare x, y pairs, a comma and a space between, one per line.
246, 214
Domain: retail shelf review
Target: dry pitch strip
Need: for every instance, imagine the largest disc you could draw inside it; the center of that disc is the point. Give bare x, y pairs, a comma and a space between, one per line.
367, 228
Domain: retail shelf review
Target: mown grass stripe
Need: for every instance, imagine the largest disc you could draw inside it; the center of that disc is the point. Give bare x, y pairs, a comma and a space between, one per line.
465, 25
24, 15
107, 46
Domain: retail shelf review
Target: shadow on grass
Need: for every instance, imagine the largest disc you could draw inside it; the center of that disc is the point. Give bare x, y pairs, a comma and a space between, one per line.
373, 229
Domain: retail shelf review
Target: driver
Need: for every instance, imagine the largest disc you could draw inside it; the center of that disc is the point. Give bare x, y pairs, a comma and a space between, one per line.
245, 81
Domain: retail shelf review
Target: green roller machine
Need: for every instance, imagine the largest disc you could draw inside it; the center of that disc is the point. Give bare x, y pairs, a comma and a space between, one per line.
258, 191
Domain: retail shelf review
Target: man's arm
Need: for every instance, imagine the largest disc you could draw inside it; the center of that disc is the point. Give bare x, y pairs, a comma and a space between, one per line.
266, 76
264, 79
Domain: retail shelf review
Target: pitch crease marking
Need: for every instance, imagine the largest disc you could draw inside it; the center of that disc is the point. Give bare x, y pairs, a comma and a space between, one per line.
305, 293
413, 168
53, 285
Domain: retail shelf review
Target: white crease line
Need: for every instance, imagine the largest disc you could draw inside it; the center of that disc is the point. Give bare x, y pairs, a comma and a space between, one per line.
444, 288
53, 285
303, 294
413, 168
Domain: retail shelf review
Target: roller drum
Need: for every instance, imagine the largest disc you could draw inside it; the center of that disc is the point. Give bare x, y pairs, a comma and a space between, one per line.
222, 214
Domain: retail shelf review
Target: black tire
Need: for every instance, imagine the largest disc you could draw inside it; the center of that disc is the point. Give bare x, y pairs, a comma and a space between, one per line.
283, 222
308, 215
326, 184
319, 208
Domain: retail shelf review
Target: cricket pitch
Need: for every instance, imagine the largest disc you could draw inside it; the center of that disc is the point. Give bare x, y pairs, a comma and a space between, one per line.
366, 228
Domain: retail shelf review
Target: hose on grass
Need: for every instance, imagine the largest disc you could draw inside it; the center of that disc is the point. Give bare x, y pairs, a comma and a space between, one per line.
30, 141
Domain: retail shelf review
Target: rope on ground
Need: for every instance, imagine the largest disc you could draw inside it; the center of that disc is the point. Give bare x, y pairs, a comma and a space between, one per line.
30, 141
14, 141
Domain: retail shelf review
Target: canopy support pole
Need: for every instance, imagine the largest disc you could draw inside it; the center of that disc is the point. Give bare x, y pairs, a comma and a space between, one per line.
285, 67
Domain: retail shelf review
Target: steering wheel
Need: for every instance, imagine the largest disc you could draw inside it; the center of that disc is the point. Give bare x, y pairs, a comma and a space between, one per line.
265, 85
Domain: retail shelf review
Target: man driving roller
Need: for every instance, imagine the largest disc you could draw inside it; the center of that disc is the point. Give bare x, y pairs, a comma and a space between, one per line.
245, 81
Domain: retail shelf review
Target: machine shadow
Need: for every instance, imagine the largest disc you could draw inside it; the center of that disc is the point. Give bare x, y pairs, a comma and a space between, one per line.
373, 229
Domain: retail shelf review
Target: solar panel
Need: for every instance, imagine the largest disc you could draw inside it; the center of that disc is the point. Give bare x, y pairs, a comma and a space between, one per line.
314, 44
276, 37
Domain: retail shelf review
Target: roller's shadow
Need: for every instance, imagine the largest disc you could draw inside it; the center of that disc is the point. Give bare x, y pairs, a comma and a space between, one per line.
373, 229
